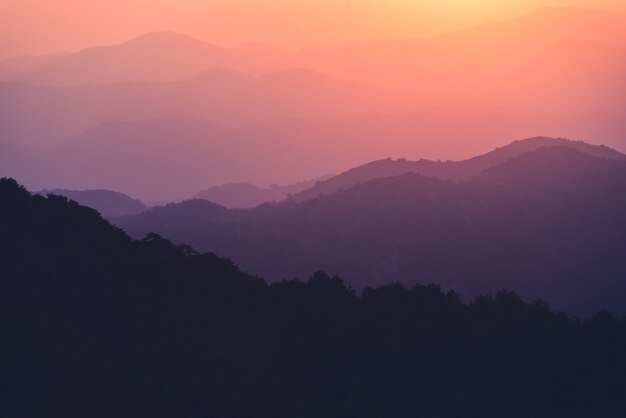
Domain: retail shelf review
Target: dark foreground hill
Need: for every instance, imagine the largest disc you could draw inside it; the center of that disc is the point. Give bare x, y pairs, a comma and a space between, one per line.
550, 224
95, 324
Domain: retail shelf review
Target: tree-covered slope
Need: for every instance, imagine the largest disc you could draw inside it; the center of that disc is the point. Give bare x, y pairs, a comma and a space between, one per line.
94, 324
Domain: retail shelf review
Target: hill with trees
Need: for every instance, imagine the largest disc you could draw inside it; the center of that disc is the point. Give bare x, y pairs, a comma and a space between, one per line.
96, 324
549, 224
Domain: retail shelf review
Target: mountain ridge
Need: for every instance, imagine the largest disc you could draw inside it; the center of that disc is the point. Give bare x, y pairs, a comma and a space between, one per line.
224, 96
109, 204
189, 334
459, 171
549, 230
300, 148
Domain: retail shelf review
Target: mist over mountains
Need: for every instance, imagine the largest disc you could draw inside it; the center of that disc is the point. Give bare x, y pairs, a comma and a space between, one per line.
172, 243
152, 57
163, 116
222, 96
553, 62
172, 158
489, 52
548, 222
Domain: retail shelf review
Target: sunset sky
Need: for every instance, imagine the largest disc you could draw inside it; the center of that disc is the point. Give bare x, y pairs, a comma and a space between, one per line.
43, 26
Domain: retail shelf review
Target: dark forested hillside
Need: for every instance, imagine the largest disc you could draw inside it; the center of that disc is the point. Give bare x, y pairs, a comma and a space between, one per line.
94, 324
550, 224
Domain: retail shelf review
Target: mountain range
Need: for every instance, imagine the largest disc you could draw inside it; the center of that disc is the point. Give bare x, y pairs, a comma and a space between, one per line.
551, 63
497, 46
558, 41
186, 254
172, 158
222, 96
448, 170
97, 324
246, 195
152, 57
109, 204
548, 222
165, 115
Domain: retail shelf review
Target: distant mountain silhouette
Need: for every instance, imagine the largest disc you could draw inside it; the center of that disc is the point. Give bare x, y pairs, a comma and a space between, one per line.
449, 170
95, 324
426, 66
551, 62
110, 204
246, 195
222, 96
157, 160
152, 57
171, 158
163, 159
548, 223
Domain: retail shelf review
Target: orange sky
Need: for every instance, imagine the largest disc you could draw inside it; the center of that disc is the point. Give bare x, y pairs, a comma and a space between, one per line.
40, 26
